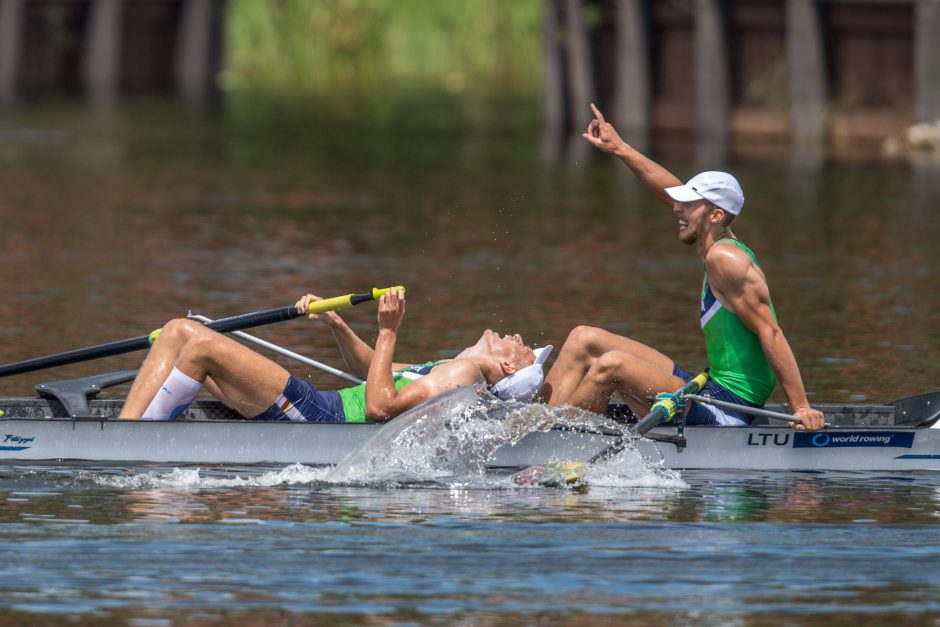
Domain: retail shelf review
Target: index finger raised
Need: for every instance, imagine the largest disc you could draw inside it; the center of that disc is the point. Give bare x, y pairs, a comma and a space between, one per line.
597, 113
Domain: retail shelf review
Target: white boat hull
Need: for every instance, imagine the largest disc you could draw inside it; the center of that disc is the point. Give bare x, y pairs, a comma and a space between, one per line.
864, 438
210, 442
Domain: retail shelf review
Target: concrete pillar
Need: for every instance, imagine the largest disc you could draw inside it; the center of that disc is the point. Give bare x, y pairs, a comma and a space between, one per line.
102, 54
11, 25
194, 68
580, 69
633, 89
712, 78
553, 86
926, 61
806, 55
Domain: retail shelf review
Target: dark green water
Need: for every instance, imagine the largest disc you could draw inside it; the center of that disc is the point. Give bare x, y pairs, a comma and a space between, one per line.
114, 223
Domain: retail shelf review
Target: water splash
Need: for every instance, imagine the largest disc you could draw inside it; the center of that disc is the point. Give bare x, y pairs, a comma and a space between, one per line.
452, 436
452, 439
197, 478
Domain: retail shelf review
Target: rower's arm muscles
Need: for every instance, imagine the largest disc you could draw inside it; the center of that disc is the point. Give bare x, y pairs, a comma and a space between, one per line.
384, 402
737, 279
356, 353
654, 176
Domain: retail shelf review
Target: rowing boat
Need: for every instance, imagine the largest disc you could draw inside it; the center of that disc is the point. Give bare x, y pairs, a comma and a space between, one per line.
67, 425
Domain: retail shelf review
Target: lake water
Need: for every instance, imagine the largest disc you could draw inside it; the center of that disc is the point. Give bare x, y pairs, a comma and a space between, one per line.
114, 222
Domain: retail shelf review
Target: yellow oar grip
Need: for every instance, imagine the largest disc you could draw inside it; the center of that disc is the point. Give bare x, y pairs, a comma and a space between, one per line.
329, 304
377, 292
341, 302
153, 335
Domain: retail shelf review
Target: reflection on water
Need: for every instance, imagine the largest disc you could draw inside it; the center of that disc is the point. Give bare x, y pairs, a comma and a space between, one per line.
114, 494
111, 226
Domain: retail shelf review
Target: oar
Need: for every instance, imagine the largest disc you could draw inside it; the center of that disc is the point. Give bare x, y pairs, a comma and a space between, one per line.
560, 473
222, 325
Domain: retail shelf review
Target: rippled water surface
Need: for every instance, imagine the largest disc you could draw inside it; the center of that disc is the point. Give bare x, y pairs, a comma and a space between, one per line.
114, 223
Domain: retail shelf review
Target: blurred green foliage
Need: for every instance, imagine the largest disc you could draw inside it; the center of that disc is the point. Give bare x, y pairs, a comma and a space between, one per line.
341, 48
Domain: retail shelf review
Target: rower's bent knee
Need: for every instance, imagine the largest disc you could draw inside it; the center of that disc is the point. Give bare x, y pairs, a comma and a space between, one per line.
608, 367
583, 337
200, 349
181, 330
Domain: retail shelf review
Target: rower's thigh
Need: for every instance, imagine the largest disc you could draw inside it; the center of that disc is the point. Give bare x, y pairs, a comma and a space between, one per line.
240, 377
632, 376
596, 342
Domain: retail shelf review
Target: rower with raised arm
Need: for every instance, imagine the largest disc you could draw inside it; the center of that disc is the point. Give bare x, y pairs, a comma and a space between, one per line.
187, 355
747, 351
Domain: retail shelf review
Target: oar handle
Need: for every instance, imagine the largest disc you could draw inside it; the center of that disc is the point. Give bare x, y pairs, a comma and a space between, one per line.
665, 408
341, 302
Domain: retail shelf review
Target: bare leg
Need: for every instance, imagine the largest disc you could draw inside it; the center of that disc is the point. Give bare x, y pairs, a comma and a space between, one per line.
584, 346
158, 364
620, 371
240, 377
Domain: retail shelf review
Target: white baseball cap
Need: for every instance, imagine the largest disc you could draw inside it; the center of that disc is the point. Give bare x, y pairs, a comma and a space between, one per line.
523, 384
719, 188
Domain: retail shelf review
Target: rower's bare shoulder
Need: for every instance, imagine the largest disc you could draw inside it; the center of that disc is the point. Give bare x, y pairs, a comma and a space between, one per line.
457, 371
727, 258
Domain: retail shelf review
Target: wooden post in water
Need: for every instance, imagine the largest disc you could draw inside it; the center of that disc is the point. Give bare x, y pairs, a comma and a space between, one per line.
580, 68
926, 61
102, 51
807, 91
633, 95
197, 51
11, 25
712, 80
553, 85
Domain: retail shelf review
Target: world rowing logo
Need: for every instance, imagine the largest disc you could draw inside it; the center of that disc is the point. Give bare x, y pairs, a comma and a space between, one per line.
857, 439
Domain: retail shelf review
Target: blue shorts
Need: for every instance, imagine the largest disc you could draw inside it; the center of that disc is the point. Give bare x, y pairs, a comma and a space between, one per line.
702, 414
302, 402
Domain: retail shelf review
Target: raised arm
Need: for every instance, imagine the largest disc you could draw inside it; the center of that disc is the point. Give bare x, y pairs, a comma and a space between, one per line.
383, 401
743, 288
356, 353
604, 136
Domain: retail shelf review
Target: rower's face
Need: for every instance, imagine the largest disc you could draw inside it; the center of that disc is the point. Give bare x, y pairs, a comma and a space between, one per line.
693, 219
508, 347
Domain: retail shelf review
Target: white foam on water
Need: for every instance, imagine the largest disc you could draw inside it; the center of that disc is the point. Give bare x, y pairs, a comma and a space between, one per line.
631, 469
195, 478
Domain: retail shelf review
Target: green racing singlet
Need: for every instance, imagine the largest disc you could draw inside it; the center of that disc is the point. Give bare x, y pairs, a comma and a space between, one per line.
354, 398
735, 357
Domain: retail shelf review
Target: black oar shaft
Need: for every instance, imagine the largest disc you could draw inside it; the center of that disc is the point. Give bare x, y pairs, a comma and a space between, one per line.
222, 325
80, 354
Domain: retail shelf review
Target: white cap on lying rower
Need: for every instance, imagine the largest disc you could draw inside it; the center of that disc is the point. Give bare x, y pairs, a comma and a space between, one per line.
524, 384
719, 188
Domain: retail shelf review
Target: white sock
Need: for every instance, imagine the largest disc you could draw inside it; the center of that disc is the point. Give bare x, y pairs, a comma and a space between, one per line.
173, 397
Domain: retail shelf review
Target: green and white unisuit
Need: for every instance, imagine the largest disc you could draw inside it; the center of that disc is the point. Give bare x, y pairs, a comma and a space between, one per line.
735, 357
354, 398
